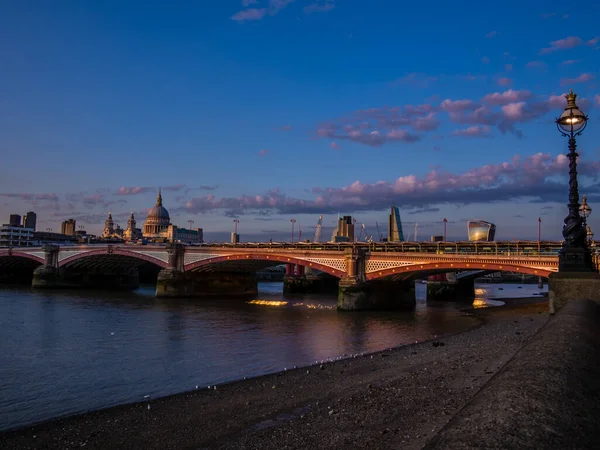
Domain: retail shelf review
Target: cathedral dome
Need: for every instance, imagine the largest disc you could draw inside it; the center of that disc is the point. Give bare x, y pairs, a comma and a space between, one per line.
158, 214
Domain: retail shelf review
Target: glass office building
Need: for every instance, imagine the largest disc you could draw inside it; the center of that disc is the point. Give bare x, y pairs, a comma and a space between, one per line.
479, 230
395, 233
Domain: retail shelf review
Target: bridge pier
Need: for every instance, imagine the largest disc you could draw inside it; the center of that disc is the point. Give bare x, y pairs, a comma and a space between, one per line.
303, 280
174, 282
376, 295
355, 293
451, 290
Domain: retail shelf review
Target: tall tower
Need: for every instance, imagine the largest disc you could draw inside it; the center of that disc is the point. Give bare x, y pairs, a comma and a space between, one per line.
131, 222
29, 220
109, 226
395, 233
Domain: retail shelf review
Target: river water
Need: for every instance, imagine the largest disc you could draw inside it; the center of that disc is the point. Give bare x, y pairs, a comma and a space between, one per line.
73, 351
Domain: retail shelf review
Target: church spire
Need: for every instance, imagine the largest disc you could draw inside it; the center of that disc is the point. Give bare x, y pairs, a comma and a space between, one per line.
159, 198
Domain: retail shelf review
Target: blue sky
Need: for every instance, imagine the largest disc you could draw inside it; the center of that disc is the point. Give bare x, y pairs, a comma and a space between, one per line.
269, 110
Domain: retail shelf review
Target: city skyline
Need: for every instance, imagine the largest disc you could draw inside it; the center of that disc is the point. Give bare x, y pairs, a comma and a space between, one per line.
272, 110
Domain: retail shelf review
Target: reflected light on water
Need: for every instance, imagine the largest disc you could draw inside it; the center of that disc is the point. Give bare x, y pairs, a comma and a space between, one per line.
486, 303
267, 303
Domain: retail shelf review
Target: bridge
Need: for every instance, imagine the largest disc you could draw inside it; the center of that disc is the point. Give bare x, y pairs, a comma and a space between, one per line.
369, 275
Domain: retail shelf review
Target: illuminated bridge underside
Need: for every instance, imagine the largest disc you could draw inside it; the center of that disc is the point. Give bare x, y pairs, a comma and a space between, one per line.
256, 262
413, 266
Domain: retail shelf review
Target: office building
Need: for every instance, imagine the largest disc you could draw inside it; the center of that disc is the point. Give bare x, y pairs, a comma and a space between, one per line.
235, 238
395, 233
29, 220
11, 236
14, 220
68, 227
344, 231
479, 230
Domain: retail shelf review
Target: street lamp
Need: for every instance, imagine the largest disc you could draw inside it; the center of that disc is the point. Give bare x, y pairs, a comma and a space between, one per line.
445, 222
574, 255
585, 210
293, 221
539, 234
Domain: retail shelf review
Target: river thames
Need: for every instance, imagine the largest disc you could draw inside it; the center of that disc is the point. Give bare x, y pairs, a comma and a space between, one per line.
73, 351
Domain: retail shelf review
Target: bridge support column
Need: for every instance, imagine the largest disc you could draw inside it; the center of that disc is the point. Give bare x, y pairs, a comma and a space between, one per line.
173, 283
564, 287
375, 295
47, 276
457, 290
310, 283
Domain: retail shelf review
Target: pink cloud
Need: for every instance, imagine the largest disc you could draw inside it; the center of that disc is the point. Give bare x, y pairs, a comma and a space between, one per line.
504, 81
583, 78
533, 177
597, 100
32, 197
457, 105
508, 67
485, 60
319, 6
547, 15
505, 97
491, 34
562, 44
570, 61
263, 152
473, 131
246, 3
593, 41
124, 190
252, 14
334, 146
377, 126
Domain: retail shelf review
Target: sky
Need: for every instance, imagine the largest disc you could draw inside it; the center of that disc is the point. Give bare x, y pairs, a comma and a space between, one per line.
270, 110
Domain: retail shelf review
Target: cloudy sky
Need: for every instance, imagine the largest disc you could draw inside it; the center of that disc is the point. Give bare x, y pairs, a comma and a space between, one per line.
268, 110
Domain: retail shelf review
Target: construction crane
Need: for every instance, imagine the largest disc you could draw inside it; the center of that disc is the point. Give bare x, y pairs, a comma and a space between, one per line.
318, 229
368, 238
379, 232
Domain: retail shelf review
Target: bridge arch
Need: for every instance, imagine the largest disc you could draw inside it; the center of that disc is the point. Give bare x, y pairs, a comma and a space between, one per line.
440, 267
109, 253
10, 253
247, 259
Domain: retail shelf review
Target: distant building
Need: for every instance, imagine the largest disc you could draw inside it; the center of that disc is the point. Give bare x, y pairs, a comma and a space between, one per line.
132, 233
437, 238
47, 237
344, 231
479, 230
29, 220
68, 227
11, 236
395, 233
14, 220
235, 238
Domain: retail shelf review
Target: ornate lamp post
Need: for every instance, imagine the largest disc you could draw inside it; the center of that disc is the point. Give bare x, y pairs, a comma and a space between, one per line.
539, 234
293, 221
585, 210
574, 255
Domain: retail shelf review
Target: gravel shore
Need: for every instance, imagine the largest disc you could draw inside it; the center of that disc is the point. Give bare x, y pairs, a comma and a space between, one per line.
398, 398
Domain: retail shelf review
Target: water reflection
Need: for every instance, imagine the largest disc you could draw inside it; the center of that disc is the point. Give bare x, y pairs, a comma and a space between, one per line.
66, 352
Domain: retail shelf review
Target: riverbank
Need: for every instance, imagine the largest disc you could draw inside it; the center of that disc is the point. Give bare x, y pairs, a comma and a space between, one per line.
397, 398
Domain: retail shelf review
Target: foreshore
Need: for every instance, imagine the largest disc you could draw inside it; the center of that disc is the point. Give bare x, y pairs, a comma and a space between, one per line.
397, 398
